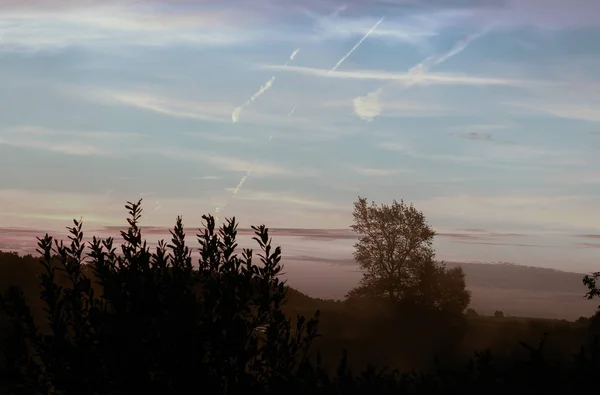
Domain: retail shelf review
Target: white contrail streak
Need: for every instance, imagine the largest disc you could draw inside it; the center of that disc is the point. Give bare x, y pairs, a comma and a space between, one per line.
293, 55
236, 113
235, 191
367, 107
339, 63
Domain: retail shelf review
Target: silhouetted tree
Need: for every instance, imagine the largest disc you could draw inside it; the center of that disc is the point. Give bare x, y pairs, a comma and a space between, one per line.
150, 322
471, 313
395, 252
590, 281
498, 314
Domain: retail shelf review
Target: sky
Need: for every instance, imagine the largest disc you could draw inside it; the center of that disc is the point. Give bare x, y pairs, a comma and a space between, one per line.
484, 114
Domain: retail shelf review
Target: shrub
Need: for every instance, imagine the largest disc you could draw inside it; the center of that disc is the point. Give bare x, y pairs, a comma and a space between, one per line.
150, 322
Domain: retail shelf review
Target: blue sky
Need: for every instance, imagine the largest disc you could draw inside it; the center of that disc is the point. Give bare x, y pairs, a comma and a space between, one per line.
485, 115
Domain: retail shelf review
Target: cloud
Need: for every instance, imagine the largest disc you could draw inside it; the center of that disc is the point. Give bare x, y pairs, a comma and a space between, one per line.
410, 151
495, 155
47, 208
370, 106
367, 171
556, 14
233, 164
411, 29
69, 142
427, 79
60, 24
567, 212
292, 199
167, 104
220, 137
426, 16
575, 177
161, 104
35, 24
69, 148
54, 210
580, 111
205, 178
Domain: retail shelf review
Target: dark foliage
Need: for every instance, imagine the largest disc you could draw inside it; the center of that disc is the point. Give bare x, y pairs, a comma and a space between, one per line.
152, 323
149, 322
395, 252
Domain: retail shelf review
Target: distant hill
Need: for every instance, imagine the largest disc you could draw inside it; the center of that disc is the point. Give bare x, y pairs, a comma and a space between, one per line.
519, 291
526, 291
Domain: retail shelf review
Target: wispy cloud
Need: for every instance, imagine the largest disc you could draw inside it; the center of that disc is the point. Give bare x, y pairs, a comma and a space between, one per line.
368, 107
69, 148
368, 171
397, 108
225, 138
69, 142
283, 197
566, 212
161, 104
170, 105
496, 155
427, 79
412, 29
230, 163
582, 111
406, 149
56, 25
575, 178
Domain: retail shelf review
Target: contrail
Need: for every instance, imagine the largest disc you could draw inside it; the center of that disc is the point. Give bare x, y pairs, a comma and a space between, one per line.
292, 56
367, 107
243, 179
339, 63
235, 115
237, 111
235, 191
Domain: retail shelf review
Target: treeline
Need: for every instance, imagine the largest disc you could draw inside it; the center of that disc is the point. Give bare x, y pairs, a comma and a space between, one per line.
132, 320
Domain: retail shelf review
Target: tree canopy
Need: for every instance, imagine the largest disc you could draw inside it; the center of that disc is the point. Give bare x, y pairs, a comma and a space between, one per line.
395, 252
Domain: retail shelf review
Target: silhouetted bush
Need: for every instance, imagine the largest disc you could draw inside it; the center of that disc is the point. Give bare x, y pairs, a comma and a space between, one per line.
151, 323
154, 323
